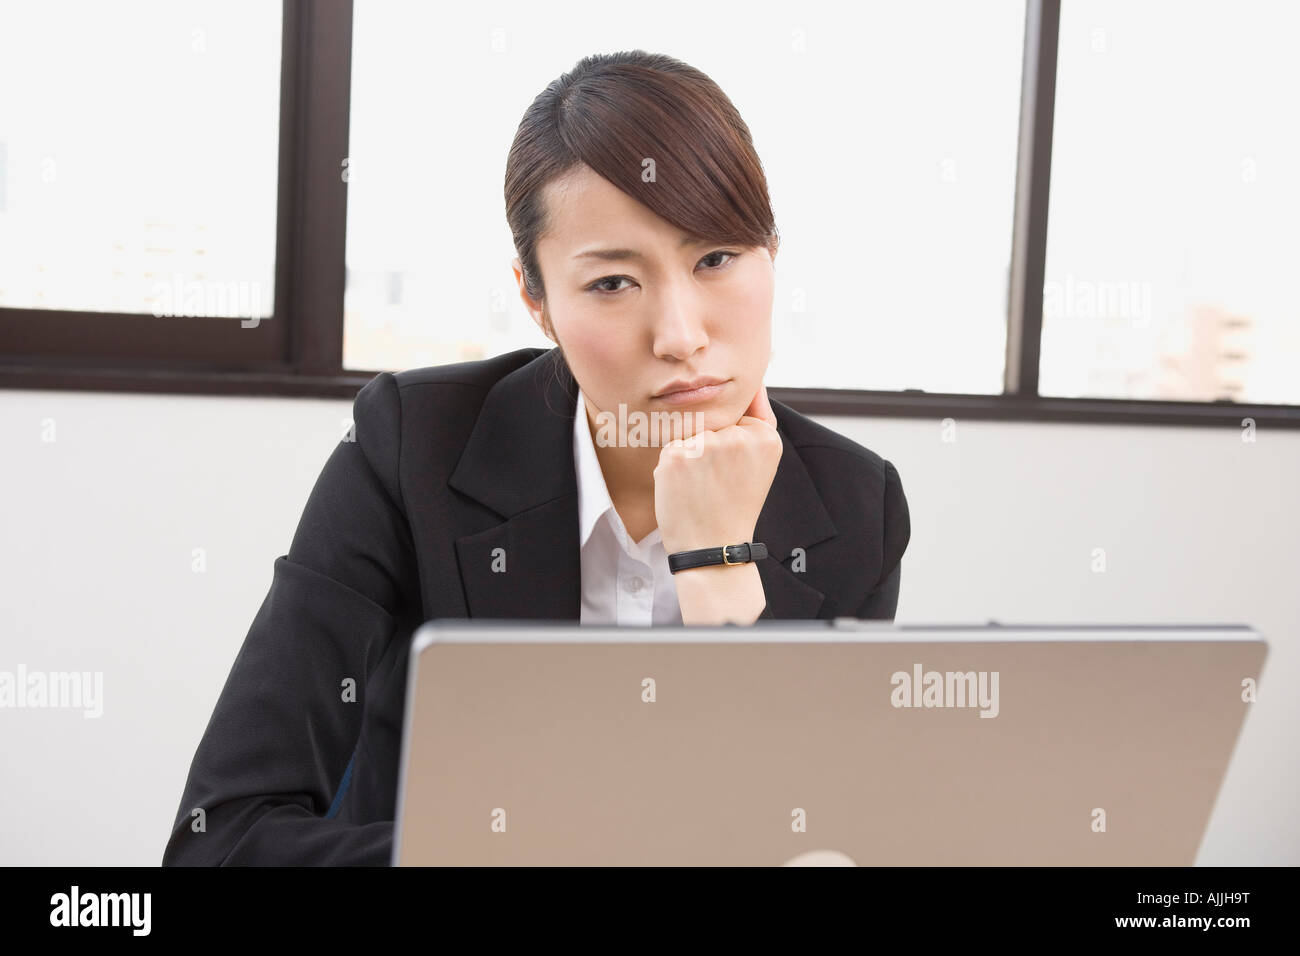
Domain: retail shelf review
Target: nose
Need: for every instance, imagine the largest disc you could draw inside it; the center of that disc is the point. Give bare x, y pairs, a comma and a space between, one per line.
679, 325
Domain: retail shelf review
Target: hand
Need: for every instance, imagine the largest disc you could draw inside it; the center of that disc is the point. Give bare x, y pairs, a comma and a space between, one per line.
710, 488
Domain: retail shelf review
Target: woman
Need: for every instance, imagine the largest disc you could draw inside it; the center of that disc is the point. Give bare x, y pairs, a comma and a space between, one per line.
477, 490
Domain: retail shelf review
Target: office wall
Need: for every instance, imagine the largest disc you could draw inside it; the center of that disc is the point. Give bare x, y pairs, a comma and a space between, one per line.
101, 524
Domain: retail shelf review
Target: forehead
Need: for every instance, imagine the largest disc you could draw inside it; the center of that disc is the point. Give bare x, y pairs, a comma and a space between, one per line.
584, 208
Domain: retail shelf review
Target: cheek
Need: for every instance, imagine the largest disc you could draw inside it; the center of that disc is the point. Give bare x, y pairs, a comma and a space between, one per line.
750, 311
598, 355
750, 298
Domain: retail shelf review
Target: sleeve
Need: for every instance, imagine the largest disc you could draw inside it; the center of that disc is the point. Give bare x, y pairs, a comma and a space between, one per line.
283, 731
882, 602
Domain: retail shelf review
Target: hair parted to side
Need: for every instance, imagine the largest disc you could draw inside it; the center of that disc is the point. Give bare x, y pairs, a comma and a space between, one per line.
614, 112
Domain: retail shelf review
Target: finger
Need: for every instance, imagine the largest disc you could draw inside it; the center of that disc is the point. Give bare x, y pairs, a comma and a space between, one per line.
749, 421
760, 408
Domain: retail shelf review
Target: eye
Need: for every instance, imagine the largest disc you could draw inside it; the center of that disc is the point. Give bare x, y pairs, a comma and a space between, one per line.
596, 286
600, 288
721, 265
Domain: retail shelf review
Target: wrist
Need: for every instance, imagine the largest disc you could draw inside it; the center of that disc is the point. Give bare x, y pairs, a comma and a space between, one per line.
720, 594
728, 555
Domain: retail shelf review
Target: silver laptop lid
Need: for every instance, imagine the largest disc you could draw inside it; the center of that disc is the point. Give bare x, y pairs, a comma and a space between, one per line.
547, 743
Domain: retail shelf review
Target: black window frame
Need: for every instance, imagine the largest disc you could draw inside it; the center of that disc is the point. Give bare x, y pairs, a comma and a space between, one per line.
299, 350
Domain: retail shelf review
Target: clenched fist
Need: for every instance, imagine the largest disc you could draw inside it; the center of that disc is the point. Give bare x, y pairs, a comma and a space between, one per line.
710, 488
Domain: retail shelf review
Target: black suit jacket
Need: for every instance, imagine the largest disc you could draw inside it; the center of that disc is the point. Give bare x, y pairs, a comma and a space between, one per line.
449, 463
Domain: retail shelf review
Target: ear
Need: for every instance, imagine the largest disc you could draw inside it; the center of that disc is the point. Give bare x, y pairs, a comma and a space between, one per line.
532, 305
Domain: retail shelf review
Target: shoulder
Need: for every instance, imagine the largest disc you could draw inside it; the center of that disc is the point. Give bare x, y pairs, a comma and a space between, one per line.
479, 374
472, 377
411, 398
861, 490
829, 455
419, 415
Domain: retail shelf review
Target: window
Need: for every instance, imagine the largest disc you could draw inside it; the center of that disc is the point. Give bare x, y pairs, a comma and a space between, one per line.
906, 280
1017, 209
138, 158
1171, 244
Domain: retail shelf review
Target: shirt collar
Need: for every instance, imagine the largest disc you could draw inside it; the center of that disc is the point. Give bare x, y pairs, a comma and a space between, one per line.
594, 501
593, 493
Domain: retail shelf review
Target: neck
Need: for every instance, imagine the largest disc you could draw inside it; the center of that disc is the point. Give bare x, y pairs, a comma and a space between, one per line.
628, 471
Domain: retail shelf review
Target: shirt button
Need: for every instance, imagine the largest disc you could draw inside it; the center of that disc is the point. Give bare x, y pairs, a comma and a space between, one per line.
633, 584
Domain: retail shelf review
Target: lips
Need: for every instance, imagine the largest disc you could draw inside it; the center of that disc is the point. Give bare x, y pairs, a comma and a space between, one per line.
683, 385
693, 396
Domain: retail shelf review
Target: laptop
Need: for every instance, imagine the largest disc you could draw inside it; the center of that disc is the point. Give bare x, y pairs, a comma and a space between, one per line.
844, 742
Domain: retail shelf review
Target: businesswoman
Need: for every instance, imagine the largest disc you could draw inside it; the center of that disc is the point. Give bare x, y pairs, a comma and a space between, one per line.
511, 488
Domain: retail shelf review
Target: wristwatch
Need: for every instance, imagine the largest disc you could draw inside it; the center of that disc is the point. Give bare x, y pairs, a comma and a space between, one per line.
728, 554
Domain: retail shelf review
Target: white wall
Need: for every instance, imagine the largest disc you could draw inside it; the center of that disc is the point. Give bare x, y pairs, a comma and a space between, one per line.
99, 527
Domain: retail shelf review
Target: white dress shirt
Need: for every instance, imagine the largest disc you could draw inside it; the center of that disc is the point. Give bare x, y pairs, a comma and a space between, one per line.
623, 582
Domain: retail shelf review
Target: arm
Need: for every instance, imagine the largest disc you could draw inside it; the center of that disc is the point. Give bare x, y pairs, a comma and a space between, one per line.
882, 602
282, 734
716, 594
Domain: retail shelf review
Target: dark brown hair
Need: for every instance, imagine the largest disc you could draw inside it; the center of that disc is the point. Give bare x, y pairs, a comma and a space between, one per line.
613, 111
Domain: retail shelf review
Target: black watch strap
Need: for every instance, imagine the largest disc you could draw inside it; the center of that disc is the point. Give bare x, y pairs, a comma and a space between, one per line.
729, 554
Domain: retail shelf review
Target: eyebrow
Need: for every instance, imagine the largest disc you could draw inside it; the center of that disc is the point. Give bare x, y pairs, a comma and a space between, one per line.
617, 255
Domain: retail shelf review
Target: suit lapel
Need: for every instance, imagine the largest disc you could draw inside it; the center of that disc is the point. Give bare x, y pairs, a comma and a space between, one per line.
793, 517
518, 462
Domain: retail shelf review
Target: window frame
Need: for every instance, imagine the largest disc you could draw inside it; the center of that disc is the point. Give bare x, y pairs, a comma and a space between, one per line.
298, 351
